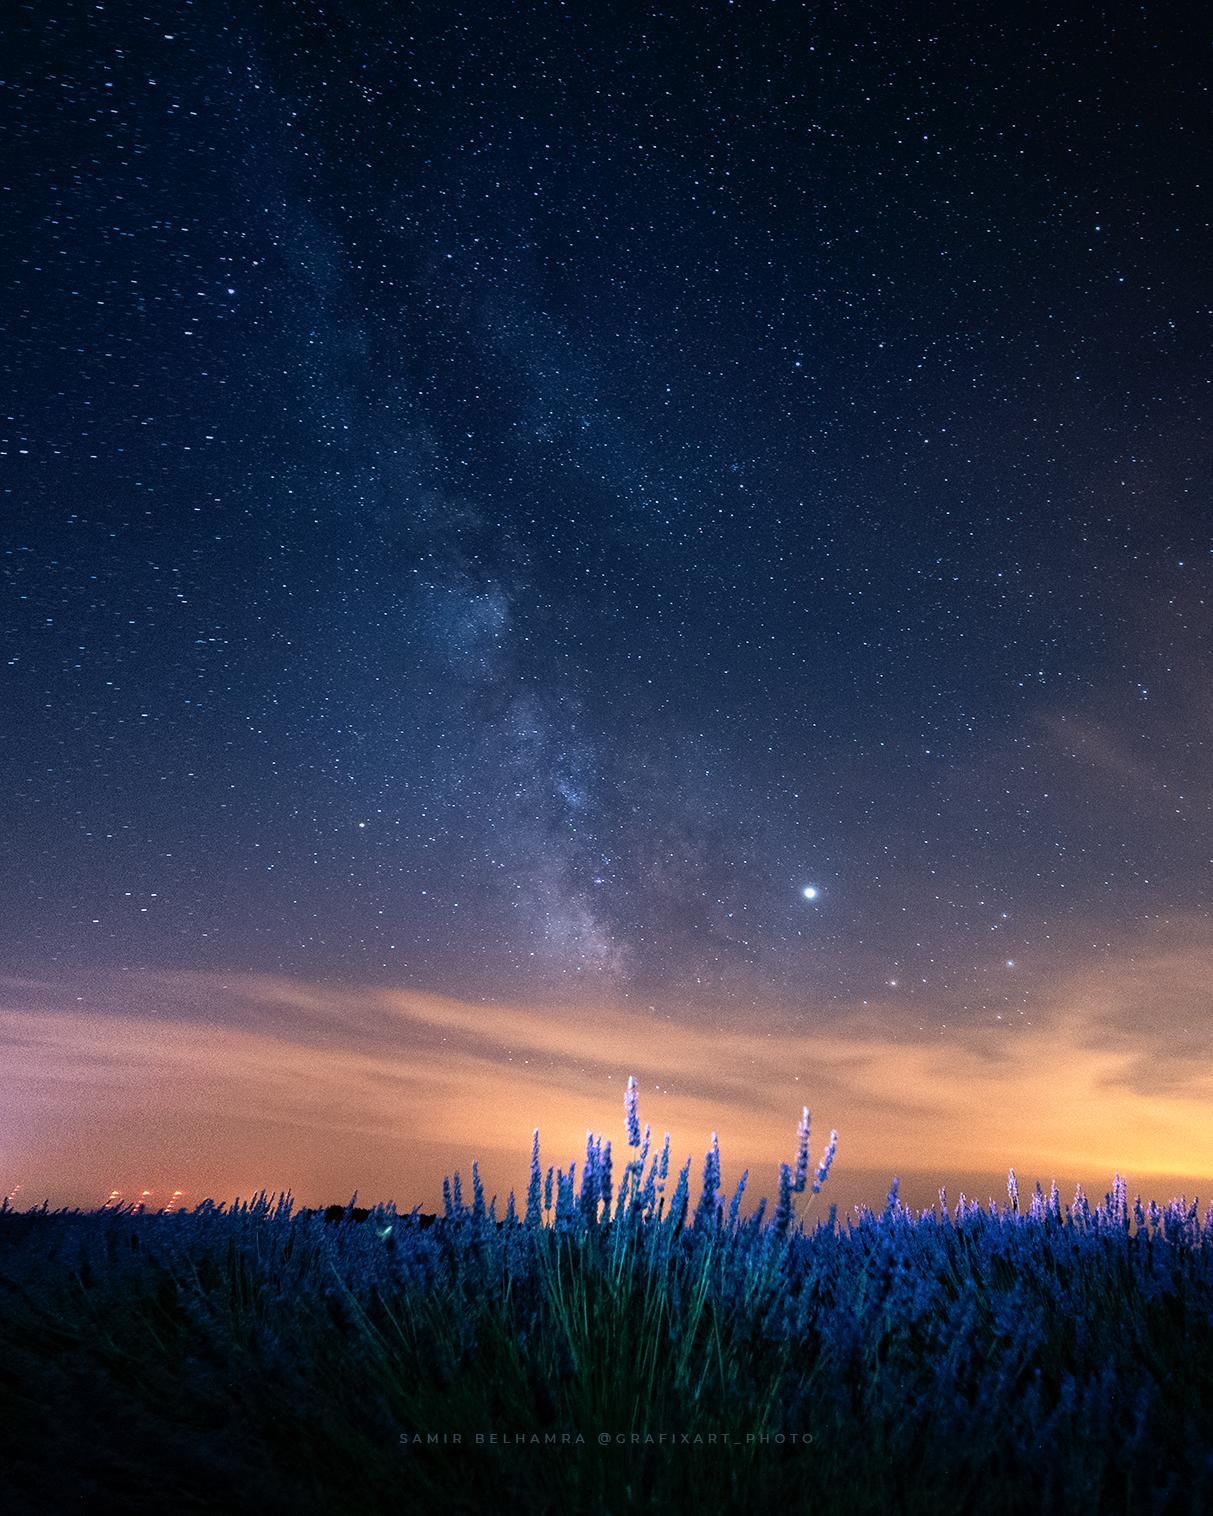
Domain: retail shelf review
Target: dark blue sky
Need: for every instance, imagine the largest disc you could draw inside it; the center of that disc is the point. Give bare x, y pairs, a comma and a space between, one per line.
497, 499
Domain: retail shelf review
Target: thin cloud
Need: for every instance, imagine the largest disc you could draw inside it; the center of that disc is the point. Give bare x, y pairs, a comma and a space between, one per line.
204, 1079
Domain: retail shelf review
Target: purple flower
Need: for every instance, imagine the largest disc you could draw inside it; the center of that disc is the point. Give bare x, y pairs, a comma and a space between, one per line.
783, 1211
711, 1183
535, 1188
802, 1153
591, 1178
630, 1111
735, 1203
604, 1177
827, 1158
678, 1201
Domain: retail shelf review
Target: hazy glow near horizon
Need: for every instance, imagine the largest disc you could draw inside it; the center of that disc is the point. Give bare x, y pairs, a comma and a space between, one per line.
218, 1086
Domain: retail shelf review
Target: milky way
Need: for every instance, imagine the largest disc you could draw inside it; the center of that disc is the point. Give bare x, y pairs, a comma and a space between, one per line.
497, 501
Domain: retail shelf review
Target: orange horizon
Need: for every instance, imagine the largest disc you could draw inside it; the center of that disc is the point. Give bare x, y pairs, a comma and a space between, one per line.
224, 1085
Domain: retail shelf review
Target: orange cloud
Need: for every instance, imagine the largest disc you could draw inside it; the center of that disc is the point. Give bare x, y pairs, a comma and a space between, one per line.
221, 1084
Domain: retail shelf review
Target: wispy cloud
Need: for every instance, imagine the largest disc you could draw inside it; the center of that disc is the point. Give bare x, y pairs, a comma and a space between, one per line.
220, 1084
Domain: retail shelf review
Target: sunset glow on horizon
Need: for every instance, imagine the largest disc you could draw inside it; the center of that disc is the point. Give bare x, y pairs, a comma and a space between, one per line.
224, 1086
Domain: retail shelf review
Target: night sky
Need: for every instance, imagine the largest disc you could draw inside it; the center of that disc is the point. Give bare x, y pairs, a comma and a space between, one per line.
498, 502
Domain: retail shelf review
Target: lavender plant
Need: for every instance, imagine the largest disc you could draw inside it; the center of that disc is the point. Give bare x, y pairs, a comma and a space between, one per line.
260, 1358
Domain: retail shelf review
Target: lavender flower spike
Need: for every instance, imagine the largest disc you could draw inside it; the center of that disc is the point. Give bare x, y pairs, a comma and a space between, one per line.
783, 1211
1013, 1189
827, 1158
802, 1153
535, 1188
711, 1184
630, 1111
604, 1180
735, 1203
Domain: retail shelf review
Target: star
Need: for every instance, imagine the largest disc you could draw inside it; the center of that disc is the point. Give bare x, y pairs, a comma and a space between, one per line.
810, 892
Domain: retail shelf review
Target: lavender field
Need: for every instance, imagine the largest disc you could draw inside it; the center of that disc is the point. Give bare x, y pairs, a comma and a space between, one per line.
614, 1341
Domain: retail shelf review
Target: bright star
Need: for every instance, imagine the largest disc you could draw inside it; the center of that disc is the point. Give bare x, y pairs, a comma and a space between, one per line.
810, 892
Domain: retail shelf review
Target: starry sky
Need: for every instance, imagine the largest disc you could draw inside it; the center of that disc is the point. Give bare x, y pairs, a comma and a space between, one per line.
498, 502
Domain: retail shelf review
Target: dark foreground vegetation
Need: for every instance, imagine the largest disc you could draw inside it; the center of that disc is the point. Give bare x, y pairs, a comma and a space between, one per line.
608, 1349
